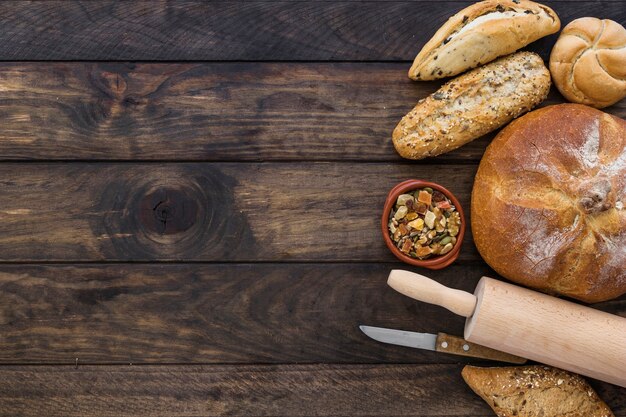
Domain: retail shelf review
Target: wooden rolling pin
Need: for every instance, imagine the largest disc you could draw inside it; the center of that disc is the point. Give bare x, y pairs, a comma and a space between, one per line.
529, 324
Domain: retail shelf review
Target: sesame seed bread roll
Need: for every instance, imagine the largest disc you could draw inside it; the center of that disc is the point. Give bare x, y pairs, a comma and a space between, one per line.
481, 33
532, 391
473, 105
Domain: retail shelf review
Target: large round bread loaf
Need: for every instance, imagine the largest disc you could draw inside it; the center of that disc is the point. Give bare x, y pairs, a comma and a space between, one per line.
548, 202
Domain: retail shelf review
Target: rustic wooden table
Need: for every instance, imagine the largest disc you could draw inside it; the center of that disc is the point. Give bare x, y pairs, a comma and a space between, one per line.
190, 203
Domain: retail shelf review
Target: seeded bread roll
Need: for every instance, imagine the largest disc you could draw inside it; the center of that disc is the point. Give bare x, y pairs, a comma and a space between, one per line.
480, 33
548, 203
472, 105
588, 62
535, 391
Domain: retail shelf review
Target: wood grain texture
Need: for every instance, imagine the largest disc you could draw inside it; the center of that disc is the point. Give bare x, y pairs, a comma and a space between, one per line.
219, 313
206, 212
212, 111
185, 30
286, 390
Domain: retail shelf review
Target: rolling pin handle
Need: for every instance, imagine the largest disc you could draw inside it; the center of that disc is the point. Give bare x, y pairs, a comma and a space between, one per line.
427, 290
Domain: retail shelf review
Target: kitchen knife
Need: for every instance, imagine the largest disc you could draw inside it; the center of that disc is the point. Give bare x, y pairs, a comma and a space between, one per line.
440, 342
528, 323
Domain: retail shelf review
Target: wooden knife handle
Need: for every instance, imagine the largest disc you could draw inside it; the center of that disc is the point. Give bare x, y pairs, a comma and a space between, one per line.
459, 346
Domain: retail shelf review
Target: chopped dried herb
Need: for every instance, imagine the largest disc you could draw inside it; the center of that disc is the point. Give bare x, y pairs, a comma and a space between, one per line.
424, 223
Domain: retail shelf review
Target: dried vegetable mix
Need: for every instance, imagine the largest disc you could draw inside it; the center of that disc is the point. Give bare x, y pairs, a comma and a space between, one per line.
424, 223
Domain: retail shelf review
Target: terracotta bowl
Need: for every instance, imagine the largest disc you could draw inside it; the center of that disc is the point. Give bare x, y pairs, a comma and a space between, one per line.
436, 262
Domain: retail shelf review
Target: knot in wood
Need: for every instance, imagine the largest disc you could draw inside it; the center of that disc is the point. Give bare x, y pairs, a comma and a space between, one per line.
168, 211
172, 212
112, 84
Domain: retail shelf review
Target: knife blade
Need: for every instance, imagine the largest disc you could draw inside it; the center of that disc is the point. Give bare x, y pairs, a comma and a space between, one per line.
440, 342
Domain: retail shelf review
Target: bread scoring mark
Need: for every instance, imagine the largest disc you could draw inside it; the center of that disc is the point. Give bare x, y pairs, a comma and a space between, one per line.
579, 35
618, 165
542, 247
547, 11
589, 152
554, 170
574, 89
496, 14
614, 266
597, 39
601, 65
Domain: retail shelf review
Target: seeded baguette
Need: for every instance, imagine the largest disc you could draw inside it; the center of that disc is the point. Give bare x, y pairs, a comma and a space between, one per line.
480, 33
535, 391
472, 105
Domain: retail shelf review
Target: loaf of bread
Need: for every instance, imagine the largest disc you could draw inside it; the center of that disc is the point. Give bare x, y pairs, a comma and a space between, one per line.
479, 34
588, 62
472, 105
535, 391
548, 202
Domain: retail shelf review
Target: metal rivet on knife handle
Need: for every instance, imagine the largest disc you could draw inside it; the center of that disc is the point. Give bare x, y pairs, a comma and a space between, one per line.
460, 346
528, 323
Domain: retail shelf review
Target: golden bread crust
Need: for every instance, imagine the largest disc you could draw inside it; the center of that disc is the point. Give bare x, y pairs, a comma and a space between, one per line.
534, 391
523, 22
588, 62
548, 202
472, 105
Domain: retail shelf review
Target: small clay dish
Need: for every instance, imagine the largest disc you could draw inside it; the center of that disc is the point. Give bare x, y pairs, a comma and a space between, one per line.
437, 261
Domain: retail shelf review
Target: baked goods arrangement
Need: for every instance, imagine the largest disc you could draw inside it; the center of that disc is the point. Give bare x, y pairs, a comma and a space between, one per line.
557, 177
533, 391
588, 62
588, 65
547, 207
488, 97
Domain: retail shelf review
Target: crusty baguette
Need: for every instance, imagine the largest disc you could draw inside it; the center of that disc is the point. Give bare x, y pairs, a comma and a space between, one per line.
480, 33
472, 105
535, 391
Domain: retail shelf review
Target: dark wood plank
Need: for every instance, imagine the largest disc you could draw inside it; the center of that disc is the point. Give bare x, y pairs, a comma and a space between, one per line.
206, 211
213, 313
293, 390
219, 111
185, 30
219, 313
228, 111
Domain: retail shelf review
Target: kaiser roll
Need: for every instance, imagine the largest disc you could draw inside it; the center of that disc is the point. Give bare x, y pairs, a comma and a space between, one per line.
548, 202
588, 62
